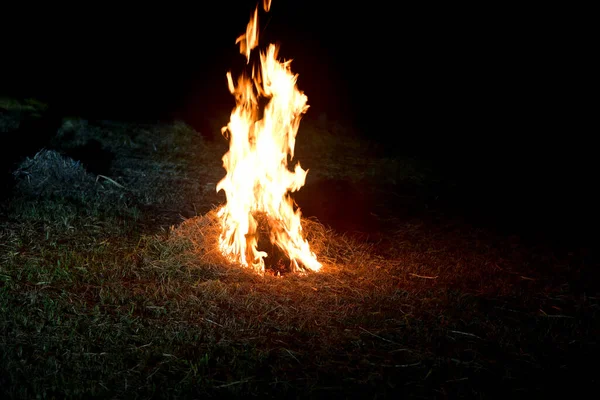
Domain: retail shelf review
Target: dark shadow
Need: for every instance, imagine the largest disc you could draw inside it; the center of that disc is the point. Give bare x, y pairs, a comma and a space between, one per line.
96, 159
342, 205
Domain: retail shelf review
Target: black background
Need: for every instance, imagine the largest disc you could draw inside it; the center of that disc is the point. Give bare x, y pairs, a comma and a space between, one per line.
495, 95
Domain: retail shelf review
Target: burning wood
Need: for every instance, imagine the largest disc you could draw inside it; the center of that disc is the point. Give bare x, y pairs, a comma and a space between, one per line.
258, 181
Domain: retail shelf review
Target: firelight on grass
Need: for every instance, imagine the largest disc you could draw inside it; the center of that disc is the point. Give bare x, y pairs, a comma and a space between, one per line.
258, 180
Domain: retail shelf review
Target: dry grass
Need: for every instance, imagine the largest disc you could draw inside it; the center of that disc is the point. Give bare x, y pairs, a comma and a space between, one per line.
107, 290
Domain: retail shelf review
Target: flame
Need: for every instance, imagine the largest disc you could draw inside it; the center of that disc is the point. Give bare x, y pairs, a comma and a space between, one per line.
258, 179
267, 5
249, 40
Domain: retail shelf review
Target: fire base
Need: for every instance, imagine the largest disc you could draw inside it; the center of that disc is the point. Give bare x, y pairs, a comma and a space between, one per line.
277, 262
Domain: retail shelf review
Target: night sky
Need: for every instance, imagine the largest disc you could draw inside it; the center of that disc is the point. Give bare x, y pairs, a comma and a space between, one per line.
487, 92
403, 68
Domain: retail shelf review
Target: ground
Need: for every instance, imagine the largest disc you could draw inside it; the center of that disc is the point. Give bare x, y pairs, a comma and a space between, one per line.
110, 285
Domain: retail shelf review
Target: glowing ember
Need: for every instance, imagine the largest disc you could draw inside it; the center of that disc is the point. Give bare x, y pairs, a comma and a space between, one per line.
258, 179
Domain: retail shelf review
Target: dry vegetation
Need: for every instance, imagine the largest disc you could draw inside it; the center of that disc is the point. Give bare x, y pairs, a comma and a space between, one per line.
111, 286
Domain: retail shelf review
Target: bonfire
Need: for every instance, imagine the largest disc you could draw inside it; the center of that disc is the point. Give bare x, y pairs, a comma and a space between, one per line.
262, 133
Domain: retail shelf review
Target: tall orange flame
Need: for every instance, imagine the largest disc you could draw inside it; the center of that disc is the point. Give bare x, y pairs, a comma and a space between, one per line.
258, 179
267, 5
249, 40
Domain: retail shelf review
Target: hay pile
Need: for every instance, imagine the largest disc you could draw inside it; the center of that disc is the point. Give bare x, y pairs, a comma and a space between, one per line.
203, 232
49, 174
